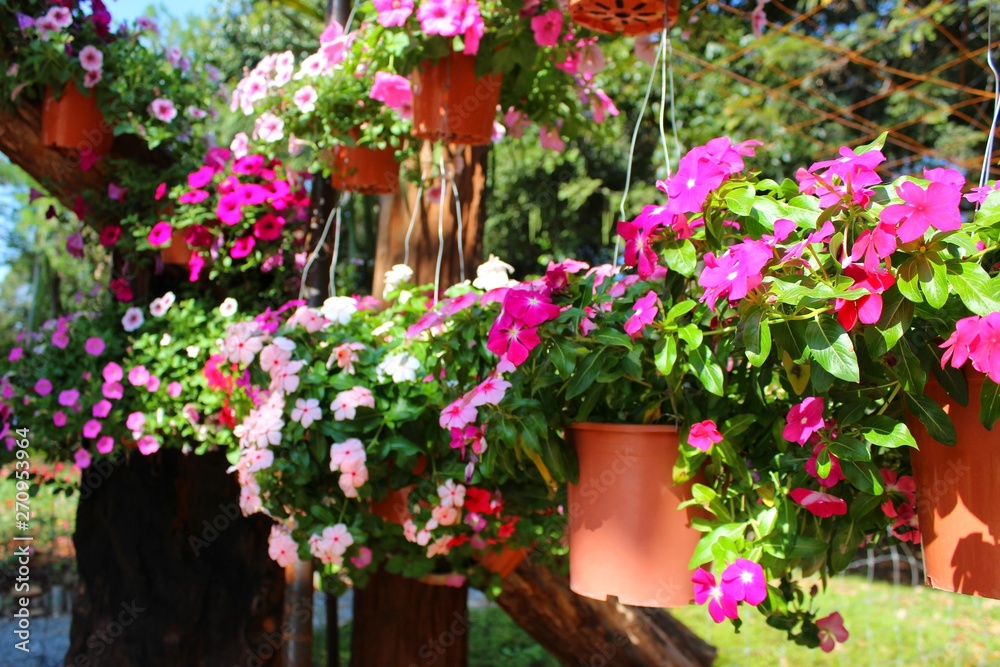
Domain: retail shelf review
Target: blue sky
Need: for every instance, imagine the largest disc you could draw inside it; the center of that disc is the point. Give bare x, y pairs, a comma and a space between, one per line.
130, 9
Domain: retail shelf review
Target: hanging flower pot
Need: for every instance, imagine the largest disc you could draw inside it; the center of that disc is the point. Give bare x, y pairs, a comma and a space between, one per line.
958, 498
365, 170
628, 17
74, 122
452, 104
502, 562
626, 536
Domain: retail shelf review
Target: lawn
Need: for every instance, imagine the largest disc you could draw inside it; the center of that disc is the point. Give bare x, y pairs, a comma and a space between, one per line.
889, 625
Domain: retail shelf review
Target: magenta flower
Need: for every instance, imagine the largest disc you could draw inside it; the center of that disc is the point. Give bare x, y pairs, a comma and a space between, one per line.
154, 384
60, 339
472, 27
74, 245
68, 397
441, 17
138, 376
803, 420
735, 273
529, 307
511, 338
91, 428
135, 421
201, 178
836, 473
831, 631
691, 183
643, 313
549, 139
105, 444
174, 389
242, 247
160, 234
547, 27
101, 409
744, 580
82, 458
269, 227
703, 435
148, 445
43, 387
937, 207
392, 90
720, 605
163, 109
821, 504
457, 414
15, 354
363, 559
393, 13
112, 390
192, 197
489, 392
868, 308
638, 251
112, 372
986, 354
230, 209
59, 419
94, 346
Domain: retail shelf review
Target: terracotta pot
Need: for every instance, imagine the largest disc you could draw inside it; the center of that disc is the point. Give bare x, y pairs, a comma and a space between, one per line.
502, 562
958, 498
629, 17
74, 122
177, 252
626, 536
365, 170
450, 103
395, 508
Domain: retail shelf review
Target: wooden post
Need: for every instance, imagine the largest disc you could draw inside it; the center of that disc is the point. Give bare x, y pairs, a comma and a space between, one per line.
298, 625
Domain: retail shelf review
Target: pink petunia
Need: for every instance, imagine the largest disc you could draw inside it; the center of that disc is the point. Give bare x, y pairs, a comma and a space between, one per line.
68, 397
161, 234
547, 27
91, 428
163, 109
101, 409
112, 372
94, 346
821, 504
105, 444
441, 17
81, 458
242, 247
720, 605
392, 90
15, 354
138, 376
174, 389
703, 435
269, 227
230, 209
803, 420
643, 313
393, 13
200, 178
43, 387
59, 418
91, 59
148, 444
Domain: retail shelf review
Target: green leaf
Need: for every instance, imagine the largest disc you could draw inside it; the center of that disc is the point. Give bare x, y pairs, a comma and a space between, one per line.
847, 448
831, 346
933, 417
563, 357
844, 546
607, 336
897, 312
667, 355
586, 372
907, 281
820, 379
933, 281
877, 144
741, 200
679, 309
706, 370
803, 210
757, 338
972, 284
680, 256
691, 335
989, 398
908, 369
863, 476
887, 432
951, 379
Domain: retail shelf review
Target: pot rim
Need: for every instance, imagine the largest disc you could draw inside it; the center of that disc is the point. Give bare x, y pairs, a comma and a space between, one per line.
623, 428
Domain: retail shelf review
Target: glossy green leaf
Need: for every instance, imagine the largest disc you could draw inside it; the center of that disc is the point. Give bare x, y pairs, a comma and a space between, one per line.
887, 432
863, 476
847, 448
757, 338
972, 284
832, 348
707, 371
933, 417
989, 398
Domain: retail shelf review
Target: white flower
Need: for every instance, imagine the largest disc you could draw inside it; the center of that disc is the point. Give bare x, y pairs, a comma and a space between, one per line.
396, 276
169, 299
451, 494
193, 351
305, 99
339, 309
306, 411
133, 319
400, 367
165, 340
228, 307
493, 273
382, 329
268, 127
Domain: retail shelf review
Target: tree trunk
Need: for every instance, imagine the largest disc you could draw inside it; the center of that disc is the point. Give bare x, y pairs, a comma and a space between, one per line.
590, 633
171, 573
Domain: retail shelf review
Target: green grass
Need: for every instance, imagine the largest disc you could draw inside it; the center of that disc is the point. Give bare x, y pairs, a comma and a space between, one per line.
889, 625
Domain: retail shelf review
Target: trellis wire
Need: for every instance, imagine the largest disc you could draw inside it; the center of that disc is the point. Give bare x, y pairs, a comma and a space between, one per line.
461, 233
332, 287
319, 245
996, 101
440, 257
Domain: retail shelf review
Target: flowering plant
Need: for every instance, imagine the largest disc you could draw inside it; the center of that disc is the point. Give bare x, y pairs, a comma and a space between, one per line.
339, 409
783, 326
548, 66
87, 385
47, 45
334, 97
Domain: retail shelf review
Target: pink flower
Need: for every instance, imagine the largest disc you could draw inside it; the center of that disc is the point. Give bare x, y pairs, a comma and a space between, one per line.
153, 385
94, 346
691, 183
637, 234
15, 354
160, 234
393, 13
68, 397
306, 411
110, 235
744, 580
512, 339
174, 389
451, 494
392, 90
986, 354
896, 484
101, 409
148, 444
472, 27
112, 390
135, 422
831, 630
105, 444
720, 605
703, 435
269, 227
547, 27
60, 339
305, 97
643, 313
59, 419
937, 207
549, 138
112, 372
43, 387
836, 473
821, 504
230, 208
82, 458
441, 17
201, 178
268, 127
91, 428
735, 273
242, 247
803, 420
74, 245
869, 307
91, 59
138, 376
874, 245
489, 392
363, 559
163, 109
281, 547
459, 413
529, 307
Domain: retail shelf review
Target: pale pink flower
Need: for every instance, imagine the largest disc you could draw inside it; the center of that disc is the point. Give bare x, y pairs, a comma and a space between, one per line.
268, 127
489, 392
393, 13
138, 376
305, 99
91, 59
446, 516
281, 547
68, 397
451, 494
105, 444
350, 454
112, 372
163, 109
174, 389
82, 458
133, 319
101, 409
457, 414
91, 429
306, 411
91, 79
148, 444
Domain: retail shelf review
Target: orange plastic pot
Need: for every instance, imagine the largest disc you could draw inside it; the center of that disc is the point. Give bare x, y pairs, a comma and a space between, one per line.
626, 536
628, 17
958, 498
365, 170
74, 122
394, 508
177, 252
502, 562
451, 104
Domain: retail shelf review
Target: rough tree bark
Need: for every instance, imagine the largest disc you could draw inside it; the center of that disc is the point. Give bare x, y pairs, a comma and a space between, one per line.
171, 573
